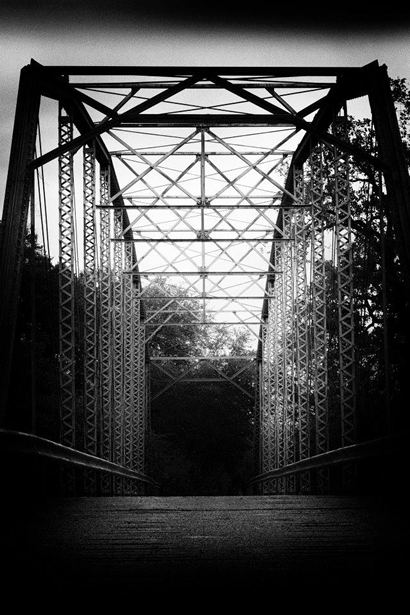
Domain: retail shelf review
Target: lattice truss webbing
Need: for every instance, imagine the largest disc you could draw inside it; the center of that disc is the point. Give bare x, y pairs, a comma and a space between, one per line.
295, 343
90, 302
66, 287
345, 297
318, 291
274, 368
117, 343
301, 313
105, 329
141, 418
110, 334
127, 373
268, 422
199, 204
283, 402
199, 225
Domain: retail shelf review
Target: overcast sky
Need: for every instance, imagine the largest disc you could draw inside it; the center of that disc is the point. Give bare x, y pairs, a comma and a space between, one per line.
195, 33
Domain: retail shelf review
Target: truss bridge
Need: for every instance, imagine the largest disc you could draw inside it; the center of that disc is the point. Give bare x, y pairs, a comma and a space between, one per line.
170, 204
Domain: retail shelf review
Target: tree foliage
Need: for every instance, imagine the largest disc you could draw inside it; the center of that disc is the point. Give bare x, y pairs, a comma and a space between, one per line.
201, 441
34, 397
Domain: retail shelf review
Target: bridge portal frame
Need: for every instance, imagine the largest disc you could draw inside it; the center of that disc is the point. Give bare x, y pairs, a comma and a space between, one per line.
347, 83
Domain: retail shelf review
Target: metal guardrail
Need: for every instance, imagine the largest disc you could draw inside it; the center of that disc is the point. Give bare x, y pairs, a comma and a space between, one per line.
29, 444
372, 448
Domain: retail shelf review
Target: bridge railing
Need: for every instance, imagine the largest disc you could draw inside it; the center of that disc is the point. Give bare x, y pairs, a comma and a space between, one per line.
32, 464
369, 467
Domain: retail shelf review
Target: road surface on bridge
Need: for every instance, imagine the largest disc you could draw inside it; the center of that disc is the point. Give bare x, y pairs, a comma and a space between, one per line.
136, 543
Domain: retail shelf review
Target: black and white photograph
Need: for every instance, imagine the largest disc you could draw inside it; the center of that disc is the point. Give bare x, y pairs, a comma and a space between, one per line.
204, 305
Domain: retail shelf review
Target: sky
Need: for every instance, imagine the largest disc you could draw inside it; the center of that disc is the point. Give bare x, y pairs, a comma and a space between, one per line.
182, 32
210, 32
191, 33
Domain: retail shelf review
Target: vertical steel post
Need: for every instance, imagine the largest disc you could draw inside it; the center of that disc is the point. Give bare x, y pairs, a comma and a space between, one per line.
344, 255
66, 286
257, 424
105, 329
147, 427
279, 332
301, 331
118, 349
90, 314
267, 407
140, 394
391, 151
319, 350
288, 275
14, 219
128, 317
344, 258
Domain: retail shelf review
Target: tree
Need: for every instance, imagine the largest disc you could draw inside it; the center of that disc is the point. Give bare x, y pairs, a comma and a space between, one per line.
34, 377
202, 431
381, 312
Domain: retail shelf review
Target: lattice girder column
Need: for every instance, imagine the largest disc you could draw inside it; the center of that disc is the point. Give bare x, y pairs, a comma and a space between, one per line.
267, 398
344, 255
105, 329
345, 298
90, 311
272, 378
148, 403
139, 419
288, 275
258, 409
302, 401
280, 396
319, 346
66, 286
264, 436
117, 316
128, 319
90, 314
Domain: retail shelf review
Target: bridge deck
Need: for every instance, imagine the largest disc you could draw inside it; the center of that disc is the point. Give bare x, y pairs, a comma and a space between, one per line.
132, 543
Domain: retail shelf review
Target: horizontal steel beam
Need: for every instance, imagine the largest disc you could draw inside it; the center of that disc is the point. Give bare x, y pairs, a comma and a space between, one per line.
204, 380
201, 273
196, 240
214, 230
136, 152
206, 120
189, 309
165, 84
183, 71
256, 206
199, 322
240, 231
197, 199
209, 297
204, 358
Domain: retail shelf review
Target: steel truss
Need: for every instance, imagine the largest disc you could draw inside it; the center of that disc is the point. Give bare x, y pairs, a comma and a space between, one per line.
191, 163
66, 287
344, 247
105, 329
302, 315
319, 324
345, 302
90, 313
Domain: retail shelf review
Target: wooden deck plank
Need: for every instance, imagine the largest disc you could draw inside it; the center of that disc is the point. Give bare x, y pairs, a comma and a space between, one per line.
128, 543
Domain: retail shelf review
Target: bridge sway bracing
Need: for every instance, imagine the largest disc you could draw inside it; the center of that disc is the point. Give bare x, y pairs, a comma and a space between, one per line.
197, 198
